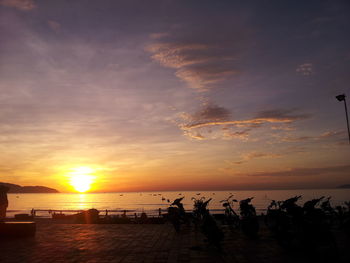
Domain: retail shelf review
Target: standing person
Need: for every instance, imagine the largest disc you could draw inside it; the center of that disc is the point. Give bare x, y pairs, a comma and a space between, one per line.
3, 201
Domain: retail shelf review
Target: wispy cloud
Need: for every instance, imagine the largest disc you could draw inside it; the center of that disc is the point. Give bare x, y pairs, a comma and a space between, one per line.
322, 136
55, 26
24, 5
281, 115
306, 171
257, 155
196, 136
283, 127
273, 116
241, 135
212, 116
305, 69
199, 64
178, 55
159, 35
207, 114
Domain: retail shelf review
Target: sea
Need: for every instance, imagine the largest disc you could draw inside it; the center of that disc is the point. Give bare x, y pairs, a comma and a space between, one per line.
151, 202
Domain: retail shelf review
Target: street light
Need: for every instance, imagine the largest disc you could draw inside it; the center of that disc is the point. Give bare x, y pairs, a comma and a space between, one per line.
342, 97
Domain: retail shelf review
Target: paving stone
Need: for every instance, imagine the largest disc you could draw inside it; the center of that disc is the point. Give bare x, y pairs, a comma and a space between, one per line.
133, 243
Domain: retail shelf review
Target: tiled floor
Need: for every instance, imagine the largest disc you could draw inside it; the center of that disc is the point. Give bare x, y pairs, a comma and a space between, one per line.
135, 243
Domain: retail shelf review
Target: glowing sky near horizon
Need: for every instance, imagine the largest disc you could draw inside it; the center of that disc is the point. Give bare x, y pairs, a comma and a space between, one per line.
171, 95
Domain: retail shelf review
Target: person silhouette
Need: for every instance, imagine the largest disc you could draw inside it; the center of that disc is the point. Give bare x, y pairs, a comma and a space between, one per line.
3, 201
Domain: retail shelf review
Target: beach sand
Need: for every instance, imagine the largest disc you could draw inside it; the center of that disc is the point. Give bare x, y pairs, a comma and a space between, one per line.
138, 243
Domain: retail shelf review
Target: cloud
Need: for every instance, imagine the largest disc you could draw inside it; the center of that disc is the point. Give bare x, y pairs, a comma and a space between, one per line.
199, 64
281, 115
322, 19
297, 139
211, 113
55, 26
330, 134
196, 136
323, 136
177, 55
213, 117
283, 127
272, 116
305, 69
244, 158
306, 171
256, 155
242, 135
202, 77
159, 35
24, 5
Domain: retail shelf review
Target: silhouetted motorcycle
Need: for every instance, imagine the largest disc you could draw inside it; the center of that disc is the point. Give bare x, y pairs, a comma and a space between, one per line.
177, 214
249, 220
206, 222
283, 219
303, 229
231, 217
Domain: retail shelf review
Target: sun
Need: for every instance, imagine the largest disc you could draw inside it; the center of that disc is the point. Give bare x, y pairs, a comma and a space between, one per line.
81, 183
81, 178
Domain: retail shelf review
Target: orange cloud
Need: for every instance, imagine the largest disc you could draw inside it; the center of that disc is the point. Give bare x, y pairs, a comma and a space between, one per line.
323, 136
256, 155
273, 116
211, 116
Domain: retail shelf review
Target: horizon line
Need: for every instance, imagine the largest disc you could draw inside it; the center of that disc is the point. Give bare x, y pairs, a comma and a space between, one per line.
227, 190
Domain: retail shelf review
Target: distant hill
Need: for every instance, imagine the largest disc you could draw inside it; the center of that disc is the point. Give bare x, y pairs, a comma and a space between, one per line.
344, 186
14, 188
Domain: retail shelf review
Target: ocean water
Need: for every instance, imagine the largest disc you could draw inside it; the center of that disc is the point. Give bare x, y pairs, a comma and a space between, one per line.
150, 202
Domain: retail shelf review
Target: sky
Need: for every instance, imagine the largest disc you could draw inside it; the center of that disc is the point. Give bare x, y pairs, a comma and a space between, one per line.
174, 95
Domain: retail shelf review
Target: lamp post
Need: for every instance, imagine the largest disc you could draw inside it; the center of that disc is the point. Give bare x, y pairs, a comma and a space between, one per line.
342, 97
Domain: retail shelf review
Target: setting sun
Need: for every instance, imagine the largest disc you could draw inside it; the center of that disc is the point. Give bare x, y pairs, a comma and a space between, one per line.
81, 179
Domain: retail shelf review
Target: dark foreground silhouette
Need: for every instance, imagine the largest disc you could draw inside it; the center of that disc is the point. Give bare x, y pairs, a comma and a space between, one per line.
306, 230
3, 201
309, 231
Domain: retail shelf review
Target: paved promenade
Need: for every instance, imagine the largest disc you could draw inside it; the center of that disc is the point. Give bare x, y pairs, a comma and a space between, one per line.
135, 243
